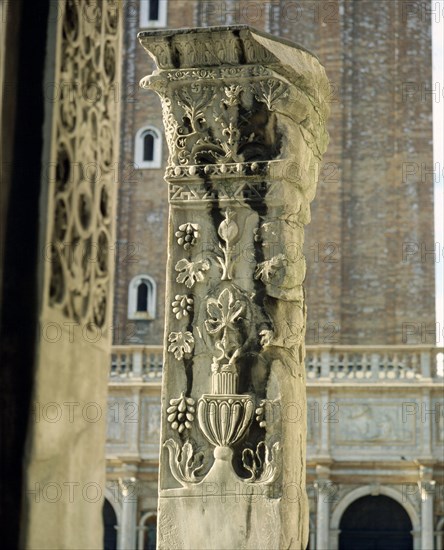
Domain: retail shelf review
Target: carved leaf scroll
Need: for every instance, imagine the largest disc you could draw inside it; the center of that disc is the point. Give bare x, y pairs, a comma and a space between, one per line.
184, 462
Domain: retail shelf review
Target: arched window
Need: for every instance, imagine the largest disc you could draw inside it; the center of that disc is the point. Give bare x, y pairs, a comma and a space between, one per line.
142, 298
147, 531
148, 148
153, 13
109, 526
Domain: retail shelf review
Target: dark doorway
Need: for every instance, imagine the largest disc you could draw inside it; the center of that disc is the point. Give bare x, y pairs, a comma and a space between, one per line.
375, 523
109, 527
150, 533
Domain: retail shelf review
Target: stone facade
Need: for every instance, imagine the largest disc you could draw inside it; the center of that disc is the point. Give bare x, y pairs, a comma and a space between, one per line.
375, 428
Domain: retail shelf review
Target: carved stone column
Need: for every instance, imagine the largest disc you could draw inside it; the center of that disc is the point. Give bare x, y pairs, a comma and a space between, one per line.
427, 492
324, 492
128, 527
244, 118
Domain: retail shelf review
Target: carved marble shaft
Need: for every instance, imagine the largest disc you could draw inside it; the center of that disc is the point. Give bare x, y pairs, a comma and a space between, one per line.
244, 117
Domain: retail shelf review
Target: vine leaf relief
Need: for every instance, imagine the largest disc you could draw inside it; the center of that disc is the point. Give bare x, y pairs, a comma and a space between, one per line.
263, 464
265, 271
184, 463
181, 413
223, 312
182, 343
191, 272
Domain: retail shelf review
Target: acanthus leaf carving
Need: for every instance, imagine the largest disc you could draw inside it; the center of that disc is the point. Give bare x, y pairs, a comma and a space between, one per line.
270, 91
263, 463
184, 462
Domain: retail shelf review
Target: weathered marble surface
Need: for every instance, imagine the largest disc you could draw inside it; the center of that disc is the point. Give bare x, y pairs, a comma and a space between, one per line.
244, 116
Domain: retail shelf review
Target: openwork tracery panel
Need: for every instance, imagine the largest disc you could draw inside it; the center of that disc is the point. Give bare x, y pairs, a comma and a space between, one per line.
83, 171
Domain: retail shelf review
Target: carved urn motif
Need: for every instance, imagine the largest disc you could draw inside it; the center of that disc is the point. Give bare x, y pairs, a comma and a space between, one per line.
225, 419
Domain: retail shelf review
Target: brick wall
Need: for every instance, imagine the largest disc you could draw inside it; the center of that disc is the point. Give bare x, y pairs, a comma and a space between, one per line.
370, 279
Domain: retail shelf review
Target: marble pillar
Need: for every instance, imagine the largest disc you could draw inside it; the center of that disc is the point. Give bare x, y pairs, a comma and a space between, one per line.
427, 491
244, 115
128, 526
324, 493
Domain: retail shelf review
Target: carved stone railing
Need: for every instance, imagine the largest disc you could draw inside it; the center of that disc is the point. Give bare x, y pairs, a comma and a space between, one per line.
136, 362
333, 363
371, 363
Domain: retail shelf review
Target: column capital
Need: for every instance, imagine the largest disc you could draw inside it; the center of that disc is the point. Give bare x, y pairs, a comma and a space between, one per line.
322, 471
425, 472
126, 484
237, 104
